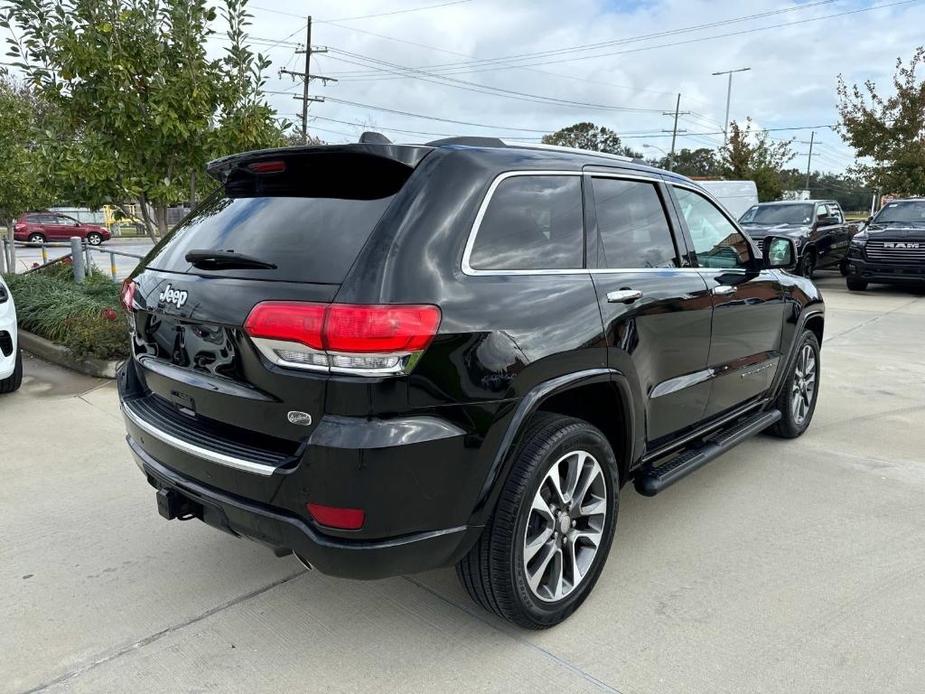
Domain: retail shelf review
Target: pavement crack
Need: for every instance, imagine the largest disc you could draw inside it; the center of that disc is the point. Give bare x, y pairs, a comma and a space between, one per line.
141, 643
864, 324
591, 679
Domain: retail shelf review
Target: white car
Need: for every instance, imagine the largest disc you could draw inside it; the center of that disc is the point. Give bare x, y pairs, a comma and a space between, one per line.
10, 356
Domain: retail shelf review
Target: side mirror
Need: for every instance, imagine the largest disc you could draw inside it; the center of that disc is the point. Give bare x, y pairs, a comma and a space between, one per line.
779, 252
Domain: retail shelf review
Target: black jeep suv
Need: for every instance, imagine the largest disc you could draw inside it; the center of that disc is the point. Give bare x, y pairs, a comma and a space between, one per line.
390, 358
891, 248
817, 227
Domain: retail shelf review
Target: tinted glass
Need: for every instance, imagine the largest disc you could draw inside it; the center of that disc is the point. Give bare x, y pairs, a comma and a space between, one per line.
798, 213
532, 223
911, 212
717, 242
631, 221
308, 239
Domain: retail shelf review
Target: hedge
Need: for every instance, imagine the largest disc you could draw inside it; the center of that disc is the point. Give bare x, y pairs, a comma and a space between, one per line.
87, 318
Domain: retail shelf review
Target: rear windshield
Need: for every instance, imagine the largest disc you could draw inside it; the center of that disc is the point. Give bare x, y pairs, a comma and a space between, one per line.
308, 239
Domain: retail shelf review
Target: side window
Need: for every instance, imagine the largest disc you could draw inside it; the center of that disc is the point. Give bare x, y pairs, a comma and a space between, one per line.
531, 223
633, 228
717, 243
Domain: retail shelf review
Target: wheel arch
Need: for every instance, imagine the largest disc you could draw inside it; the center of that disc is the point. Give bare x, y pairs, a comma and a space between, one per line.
587, 395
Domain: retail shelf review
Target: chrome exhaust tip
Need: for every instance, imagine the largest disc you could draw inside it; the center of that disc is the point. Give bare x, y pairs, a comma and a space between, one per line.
304, 562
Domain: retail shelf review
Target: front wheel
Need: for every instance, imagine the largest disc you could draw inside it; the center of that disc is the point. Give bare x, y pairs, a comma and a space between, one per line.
94, 239
797, 399
546, 545
14, 380
856, 285
807, 266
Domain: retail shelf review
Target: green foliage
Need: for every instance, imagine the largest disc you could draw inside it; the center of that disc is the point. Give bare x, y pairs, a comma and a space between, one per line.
591, 137
87, 318
847, 189
888, 129
701, 162
22, 187
752, 155
140, 107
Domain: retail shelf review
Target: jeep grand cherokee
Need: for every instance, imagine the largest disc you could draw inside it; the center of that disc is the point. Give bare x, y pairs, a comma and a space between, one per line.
390, 358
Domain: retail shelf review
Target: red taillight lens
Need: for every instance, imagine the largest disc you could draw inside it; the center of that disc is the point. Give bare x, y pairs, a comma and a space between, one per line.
290, 321
382, 329
336, 517
128, 295
346, 328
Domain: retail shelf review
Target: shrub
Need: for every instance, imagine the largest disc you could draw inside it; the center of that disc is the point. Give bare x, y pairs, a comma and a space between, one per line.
86, 318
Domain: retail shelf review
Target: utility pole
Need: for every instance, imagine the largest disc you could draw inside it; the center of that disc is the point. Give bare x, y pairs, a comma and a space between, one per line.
674, 131
809, 157
728, 99
307, 77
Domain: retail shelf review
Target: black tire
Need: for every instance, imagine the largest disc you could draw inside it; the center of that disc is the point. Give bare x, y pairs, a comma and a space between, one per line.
843, 268
494, 572
36, 238
807, 265
790, 426
94, 239
855, 284
12, 382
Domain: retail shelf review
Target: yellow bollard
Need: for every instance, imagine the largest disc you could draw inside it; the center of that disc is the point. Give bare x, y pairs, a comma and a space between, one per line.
44, 255
112, 264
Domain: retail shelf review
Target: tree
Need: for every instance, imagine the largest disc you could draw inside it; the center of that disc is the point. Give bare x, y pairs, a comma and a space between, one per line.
140, 106
701, 162
591, 137
888, 129
22, 186
750, 154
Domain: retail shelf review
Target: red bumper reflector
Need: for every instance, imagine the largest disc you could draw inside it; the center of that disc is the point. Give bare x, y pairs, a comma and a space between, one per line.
336, 517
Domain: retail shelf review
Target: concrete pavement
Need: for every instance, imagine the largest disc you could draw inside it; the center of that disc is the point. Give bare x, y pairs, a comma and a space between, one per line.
784, 566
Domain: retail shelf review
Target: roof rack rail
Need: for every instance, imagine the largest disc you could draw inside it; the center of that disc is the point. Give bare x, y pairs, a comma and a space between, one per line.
471, 141
373, 138
559, 148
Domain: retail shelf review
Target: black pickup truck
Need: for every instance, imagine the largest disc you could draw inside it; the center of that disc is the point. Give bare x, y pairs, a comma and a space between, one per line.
891, 248
818, 228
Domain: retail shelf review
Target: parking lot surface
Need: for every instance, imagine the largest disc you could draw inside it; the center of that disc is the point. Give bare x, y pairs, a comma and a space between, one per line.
27, 256
793, 566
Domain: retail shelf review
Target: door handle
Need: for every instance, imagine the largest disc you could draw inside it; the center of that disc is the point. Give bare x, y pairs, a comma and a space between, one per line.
623, 296
724, 289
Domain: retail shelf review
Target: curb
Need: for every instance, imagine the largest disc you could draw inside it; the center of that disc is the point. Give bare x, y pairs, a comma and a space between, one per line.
62, 356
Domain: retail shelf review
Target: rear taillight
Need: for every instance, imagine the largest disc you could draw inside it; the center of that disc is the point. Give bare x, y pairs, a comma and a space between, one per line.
128, 295
366, 339
19, 226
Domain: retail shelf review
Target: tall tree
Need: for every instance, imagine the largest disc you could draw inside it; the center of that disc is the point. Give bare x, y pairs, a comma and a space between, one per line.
888, 129
751, 154
21, 185
700, 162
591, 137
140, 105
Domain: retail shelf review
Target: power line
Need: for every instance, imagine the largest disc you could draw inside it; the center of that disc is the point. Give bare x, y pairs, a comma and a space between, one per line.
410, 132
366, 16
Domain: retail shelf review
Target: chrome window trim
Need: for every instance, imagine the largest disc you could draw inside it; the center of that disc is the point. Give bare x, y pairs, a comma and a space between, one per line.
193, 449
483, 207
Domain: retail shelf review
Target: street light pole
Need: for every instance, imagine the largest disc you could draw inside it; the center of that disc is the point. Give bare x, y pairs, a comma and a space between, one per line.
728, 99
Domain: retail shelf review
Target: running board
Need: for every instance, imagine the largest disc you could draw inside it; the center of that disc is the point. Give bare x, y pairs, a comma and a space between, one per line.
650, 480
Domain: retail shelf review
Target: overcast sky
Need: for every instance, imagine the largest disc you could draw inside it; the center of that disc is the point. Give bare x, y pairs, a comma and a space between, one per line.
653, 50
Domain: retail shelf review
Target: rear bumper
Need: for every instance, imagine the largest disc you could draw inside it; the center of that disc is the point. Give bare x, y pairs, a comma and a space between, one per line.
281, 531
889, 273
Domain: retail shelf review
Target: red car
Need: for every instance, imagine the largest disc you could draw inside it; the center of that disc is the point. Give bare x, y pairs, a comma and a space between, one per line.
38, 227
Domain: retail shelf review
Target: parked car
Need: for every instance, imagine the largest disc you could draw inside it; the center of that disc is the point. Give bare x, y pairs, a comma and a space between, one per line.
10, 355
818, 228
39, 227
891, 248
391, 358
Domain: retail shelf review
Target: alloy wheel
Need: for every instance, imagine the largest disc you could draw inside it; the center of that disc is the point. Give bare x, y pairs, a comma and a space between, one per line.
804, 385
565, 526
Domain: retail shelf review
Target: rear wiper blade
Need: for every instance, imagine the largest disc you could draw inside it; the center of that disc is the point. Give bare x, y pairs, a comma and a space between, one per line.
217, 260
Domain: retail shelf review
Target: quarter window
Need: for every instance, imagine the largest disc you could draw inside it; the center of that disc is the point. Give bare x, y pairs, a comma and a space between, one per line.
633, 228
717, 243
531, 223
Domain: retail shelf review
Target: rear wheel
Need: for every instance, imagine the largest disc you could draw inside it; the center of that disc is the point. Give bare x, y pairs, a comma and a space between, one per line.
797, 399
546, 544
856, 285
12, 383
94, 239
36, 238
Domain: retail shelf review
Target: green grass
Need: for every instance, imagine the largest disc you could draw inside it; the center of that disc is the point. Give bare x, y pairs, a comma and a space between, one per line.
87, 318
